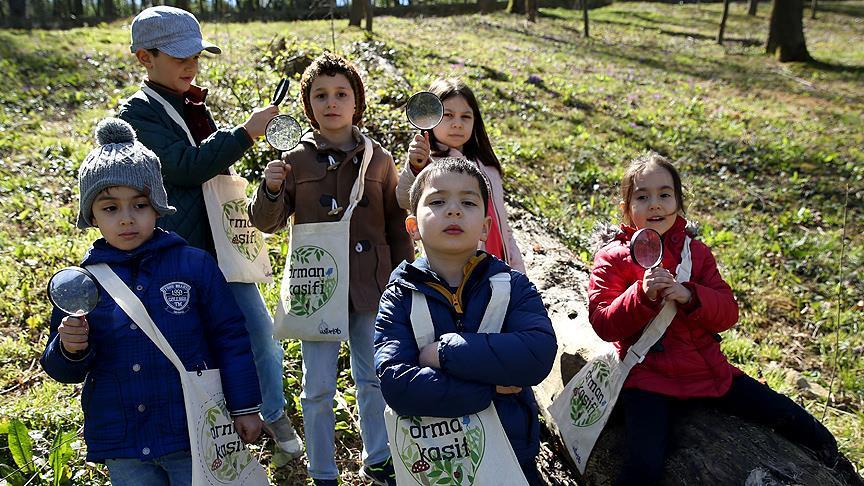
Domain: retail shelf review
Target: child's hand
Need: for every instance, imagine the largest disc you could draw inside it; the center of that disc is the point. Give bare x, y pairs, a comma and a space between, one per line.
655, 281
274, 175
429, 356
418, 151
257, 122
678, 293
248, 427
74, 333
507, 390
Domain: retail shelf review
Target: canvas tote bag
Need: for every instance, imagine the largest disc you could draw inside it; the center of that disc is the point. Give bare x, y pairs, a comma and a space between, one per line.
240, 248
584, 405
218, 455
313, 298
470, 450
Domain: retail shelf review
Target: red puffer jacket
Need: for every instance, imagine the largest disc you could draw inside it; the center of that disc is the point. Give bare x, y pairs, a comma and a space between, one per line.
687, 362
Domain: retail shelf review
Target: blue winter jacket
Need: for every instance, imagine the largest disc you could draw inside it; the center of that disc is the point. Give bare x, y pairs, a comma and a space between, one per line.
132, 397
471, 364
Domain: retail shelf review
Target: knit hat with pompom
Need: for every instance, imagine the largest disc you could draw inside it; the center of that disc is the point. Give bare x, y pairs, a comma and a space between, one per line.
120, 160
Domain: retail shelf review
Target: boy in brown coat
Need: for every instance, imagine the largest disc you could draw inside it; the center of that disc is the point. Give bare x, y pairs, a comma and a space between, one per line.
313, 183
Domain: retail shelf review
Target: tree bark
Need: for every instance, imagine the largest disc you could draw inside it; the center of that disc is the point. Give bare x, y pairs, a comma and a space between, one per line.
485, 5
356, 12
516, 6
786, 32
531, 10
585, 16
18, 12
813, 9
367, 6
723, 22
751, 8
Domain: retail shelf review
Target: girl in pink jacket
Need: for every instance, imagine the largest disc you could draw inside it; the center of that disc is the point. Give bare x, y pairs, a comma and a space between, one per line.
462, 133
686, 363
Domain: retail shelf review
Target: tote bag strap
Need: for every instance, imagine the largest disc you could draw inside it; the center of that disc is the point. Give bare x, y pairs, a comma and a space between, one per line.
359, 185
655, 329
493, 318
133, 307
172, 112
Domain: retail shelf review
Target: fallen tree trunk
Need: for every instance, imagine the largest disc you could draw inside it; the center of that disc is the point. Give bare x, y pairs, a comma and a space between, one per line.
707, 446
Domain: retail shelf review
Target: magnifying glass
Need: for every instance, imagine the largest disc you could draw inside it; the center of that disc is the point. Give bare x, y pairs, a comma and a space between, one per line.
424, 110
282, 132
646, 248
73, 290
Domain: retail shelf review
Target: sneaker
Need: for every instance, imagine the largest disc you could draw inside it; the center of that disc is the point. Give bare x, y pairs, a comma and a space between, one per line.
381, 474
285, 436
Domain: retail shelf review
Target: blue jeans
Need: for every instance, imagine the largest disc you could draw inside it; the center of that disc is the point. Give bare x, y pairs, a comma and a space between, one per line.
266, 351
173, 469
319, 388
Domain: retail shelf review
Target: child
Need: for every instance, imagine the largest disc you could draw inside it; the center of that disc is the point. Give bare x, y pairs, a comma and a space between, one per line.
134, 416
313, 185
462, 372
167, 42
462, 132
686, 362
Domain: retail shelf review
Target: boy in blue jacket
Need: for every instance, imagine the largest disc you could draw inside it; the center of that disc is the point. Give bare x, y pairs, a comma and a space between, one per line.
134, 415
462, 371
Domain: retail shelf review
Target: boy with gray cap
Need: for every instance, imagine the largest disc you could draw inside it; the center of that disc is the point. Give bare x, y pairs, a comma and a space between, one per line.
135, 419
170, 117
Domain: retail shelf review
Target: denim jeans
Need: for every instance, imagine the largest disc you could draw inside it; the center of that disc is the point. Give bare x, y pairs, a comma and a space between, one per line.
173, 469
319, 388
266, 351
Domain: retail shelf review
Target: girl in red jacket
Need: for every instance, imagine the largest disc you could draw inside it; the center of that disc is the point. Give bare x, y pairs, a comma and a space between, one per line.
686, 362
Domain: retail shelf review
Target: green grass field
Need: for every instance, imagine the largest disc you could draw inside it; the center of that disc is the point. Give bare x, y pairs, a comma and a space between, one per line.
767, 151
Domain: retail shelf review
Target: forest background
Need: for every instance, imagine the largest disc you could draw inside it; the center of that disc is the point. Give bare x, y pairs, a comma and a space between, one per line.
769, 152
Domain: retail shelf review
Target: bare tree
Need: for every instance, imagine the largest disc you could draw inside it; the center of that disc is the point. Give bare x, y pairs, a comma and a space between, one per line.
723, 22
751, 7
516, 6
356, 12
786, 32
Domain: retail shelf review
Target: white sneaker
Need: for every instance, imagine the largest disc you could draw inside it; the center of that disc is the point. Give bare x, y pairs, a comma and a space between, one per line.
285, 436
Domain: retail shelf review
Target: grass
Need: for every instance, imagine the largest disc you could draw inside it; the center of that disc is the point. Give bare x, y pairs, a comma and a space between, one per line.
766, 150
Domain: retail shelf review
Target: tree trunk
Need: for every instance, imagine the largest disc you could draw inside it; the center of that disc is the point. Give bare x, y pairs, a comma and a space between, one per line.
531, 10
813, 9
367, 6
109, 10
485, 5
723, 22
18, 12
516, 6
786, 32
356, 12
751, 8
184, 4
585, 16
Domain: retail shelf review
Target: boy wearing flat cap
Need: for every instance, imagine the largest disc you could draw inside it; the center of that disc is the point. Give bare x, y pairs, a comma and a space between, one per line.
170, 118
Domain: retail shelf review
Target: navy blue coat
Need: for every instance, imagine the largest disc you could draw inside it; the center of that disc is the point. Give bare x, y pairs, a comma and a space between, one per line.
132, 397
471, 364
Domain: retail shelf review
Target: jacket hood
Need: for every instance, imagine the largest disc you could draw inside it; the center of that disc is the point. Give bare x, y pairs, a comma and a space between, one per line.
321, 144
102, 252
606, 232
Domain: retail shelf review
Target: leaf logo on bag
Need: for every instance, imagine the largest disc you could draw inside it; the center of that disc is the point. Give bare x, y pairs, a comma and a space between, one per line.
247, 240
589, 399
313, 278
222, 448
441, 451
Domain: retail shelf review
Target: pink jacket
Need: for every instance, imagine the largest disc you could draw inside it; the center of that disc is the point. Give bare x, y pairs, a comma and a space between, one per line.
514, 255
